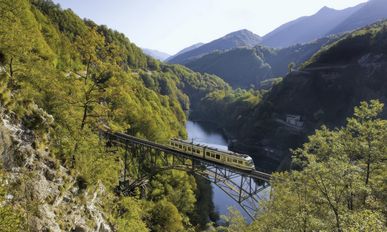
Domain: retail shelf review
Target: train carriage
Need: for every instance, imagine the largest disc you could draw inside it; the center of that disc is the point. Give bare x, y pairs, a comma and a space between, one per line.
241, 161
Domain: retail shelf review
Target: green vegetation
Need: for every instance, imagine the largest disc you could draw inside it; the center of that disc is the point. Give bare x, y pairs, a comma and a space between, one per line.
339, 184
63, 77
351, 46
227, 108
248, 67
323, 91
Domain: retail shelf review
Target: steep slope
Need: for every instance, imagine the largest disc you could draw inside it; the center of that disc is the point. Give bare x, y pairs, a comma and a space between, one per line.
61, 79
161, 56
240, 67
324, 91
373, 11
246, 67
242, 38
308, 28
187, 49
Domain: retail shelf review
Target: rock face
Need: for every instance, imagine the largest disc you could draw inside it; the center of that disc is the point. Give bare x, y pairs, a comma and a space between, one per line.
44, 187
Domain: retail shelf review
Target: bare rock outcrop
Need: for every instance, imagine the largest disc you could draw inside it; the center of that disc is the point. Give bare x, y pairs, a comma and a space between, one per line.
45, 189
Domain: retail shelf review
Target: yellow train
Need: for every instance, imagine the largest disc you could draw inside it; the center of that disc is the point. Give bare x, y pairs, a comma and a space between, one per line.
229, 158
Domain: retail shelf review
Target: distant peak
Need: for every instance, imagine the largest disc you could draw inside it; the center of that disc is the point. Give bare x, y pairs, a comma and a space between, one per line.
325, 9
241, 32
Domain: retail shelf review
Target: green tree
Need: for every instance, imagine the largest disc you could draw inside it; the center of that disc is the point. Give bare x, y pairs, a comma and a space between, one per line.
164, 217
339, 183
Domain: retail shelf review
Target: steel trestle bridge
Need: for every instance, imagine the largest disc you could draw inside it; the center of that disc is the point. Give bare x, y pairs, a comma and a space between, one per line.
243, 186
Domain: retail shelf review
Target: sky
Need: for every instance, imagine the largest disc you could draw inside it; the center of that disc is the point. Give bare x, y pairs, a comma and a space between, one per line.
171, 25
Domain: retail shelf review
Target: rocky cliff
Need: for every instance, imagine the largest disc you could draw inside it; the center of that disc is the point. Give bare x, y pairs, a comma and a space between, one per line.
48, 195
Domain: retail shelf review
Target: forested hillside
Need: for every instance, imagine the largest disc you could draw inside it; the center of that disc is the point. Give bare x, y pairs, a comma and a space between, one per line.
323, 91
250, 67
61, 78
337, 182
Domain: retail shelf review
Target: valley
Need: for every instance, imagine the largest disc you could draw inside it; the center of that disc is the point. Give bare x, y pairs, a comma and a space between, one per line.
304, 103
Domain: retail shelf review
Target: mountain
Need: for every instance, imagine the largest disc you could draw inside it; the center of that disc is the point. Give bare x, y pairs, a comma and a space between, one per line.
161, 56
309, 28
326, 22
369, 13
246, 67
187, 49
242, 38
323, 91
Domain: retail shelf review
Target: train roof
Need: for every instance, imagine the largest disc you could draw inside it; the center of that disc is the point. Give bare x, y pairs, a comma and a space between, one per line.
246, 157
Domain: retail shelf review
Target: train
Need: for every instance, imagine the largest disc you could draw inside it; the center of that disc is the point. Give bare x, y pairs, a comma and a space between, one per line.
240, 161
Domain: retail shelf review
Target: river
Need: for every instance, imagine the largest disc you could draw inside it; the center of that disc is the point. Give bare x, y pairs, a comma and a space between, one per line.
206, 134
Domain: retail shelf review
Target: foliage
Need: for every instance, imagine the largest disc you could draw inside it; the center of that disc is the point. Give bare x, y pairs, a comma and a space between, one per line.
338, 186
227, 108
352, 45
164, 186
64, 77
130, 216
164, 217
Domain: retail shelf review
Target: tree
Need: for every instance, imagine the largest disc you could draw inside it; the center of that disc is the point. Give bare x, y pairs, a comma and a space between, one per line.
339, 169
291, 67
164, 217
20, 40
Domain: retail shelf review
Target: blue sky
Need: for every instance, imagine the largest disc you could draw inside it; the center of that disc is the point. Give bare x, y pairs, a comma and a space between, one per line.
171, 25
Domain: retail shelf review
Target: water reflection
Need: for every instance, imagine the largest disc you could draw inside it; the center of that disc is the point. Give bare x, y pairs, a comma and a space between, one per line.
208, 135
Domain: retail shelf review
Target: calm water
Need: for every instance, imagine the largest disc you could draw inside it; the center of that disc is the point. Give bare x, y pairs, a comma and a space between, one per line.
208, 135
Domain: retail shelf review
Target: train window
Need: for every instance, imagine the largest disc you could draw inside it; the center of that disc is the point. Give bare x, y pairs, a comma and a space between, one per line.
240, 162
207, 153
180, 146
218, 156
189, 149
235, 161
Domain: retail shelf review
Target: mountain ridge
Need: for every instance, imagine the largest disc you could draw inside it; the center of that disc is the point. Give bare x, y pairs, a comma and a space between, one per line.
158, 55
240, 38
308, 28
184, 50
247, 67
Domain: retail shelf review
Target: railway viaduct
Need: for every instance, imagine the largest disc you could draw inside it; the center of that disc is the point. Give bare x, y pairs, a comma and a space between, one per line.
149, 158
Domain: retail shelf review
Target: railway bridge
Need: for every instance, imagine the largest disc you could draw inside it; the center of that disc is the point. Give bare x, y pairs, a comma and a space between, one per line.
150, 158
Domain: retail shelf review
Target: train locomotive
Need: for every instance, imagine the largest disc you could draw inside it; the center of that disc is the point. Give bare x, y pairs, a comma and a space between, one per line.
240, 161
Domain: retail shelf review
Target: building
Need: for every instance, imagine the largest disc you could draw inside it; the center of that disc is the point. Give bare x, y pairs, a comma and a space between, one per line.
294, 120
